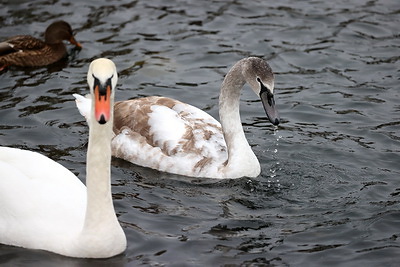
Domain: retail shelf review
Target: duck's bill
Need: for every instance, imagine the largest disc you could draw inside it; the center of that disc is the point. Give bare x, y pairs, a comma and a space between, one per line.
75, 42
102, 105
267, 98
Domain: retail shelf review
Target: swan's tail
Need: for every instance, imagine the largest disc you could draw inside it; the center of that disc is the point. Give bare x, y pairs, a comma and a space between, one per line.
83, 103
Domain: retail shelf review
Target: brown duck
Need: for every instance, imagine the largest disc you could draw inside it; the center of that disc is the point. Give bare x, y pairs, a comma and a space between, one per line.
27, 51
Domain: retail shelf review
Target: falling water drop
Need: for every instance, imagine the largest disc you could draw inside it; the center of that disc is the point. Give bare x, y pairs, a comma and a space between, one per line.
276, 166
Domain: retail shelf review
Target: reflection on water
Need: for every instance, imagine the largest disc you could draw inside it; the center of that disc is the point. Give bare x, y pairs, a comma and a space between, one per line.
329, 189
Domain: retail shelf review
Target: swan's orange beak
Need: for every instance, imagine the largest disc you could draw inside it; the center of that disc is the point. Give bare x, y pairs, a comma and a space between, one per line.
102, 104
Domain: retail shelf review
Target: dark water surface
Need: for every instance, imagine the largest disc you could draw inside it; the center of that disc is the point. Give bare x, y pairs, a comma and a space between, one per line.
329, 192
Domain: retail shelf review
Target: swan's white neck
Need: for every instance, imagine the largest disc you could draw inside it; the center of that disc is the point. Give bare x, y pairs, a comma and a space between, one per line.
99, 200
102, 234
241, 159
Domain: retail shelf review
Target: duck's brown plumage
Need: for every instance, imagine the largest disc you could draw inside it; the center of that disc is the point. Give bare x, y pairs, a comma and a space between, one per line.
28, 51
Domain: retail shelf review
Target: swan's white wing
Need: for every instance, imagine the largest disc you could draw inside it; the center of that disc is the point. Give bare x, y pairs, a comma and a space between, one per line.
168, 135
39, 199
84, 104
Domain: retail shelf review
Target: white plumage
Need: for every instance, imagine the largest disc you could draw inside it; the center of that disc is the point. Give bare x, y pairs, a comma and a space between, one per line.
45, 206
39, 199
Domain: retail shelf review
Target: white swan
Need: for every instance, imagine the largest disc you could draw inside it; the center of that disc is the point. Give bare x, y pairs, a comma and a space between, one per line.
45, 206
171, 136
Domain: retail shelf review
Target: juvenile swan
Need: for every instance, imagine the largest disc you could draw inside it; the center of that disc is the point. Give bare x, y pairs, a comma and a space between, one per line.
45, 206
171, 136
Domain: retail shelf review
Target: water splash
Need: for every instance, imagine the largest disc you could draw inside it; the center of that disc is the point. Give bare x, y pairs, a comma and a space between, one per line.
250, 185
276, 166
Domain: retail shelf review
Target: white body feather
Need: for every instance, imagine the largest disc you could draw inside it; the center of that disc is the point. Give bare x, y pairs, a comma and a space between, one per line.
38, 193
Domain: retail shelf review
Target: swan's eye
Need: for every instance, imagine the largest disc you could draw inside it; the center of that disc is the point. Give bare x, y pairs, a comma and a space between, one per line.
264, 89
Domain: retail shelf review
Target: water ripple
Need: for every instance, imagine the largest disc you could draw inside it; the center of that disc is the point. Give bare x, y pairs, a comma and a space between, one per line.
329, 192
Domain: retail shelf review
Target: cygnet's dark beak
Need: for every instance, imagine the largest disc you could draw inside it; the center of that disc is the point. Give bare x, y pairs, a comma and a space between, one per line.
267, 98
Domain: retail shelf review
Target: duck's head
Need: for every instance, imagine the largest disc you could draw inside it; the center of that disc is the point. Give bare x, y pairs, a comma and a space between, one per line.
102, 78
59, 31
259, 75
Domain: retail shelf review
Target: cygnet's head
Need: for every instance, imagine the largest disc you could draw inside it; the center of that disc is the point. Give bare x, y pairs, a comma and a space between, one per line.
259, 75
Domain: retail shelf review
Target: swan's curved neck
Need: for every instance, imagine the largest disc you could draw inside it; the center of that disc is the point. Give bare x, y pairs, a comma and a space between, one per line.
240, 156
